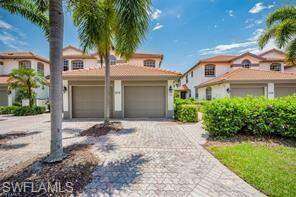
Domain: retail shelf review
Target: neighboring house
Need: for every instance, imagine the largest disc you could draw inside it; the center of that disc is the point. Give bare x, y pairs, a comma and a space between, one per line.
240, 75
15, 60
139, 87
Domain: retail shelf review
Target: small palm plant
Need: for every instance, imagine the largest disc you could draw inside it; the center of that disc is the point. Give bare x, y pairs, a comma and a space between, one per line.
26, 80
105, 25
281, 25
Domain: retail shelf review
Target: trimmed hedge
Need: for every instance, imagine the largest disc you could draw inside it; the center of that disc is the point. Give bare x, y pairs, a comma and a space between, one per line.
186, 110
258, 116
27, 111
7, 109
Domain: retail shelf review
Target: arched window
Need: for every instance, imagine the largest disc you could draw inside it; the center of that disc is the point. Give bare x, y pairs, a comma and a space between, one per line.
77, 64
40, 68
246, 64
209, 93
66, 65
210, 70
25, 64
276, 67
112, 59
149, 63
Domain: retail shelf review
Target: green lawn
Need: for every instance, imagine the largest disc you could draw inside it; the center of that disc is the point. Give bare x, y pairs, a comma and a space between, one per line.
272, 170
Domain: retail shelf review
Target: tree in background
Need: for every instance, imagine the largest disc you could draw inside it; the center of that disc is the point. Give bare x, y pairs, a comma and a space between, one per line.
105, 25
281, 25
26, 81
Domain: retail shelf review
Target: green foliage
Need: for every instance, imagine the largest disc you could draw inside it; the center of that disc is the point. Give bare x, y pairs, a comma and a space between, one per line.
187, 113
27, 110
281, 25
258, 116
7, 109
270, 169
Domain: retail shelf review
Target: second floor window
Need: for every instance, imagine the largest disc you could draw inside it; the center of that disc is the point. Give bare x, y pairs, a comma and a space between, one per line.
25, 64
149, 63
209, 93
276, 67
191, 73
77, 64
40, 68
66, 65
186, 78
210, 70
113, 60
246, 64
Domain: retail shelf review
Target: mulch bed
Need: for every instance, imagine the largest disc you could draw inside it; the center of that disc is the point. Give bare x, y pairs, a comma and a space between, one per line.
62, 178
240, 138
102, 129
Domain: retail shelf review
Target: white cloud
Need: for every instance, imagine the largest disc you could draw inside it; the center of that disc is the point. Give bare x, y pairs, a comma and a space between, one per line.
155, 14
256, 34
5, 25
11, 41
157, 26
258, 7
230, 13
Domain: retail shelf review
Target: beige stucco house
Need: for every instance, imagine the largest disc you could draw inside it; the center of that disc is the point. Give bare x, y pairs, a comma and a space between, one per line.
220, 76
14, 60
139, 87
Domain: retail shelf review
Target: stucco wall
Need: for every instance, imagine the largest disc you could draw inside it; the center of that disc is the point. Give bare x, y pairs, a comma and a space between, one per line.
218, 91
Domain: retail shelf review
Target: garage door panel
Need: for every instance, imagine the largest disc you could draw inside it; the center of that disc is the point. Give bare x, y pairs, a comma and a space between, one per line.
88, 101
247, 91
144, 101
3, 96
284, 91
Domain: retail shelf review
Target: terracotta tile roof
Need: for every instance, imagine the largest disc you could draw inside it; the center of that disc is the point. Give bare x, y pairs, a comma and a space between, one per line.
147, 55
272, 50
3, 79
22, 55
244, 74
219, 58
122, 71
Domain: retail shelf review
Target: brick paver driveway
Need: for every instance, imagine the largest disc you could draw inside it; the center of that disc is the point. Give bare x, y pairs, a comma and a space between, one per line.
159, 158
147, 158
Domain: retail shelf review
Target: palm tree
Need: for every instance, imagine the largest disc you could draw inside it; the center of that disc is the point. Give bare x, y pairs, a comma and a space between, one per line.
104, 25
26, 80
49, 16
281, 25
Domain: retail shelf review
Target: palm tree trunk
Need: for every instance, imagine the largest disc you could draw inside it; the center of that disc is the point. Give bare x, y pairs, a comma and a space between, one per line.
107, 89
56, 22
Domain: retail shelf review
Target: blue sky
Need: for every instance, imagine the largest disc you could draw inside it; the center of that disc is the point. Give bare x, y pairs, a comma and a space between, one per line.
183, 30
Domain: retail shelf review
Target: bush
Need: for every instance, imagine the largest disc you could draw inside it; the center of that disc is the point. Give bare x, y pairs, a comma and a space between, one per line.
7, 109
27, 111
186, 110
187, 113
258, 116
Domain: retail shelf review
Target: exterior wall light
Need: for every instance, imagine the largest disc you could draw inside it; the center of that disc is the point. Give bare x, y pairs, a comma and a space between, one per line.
171, 89
8, 91
65, 89
228, 90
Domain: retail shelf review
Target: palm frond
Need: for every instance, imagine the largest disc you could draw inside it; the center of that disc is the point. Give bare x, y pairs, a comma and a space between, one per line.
132, 24
291, 52
285, 31
29, 10
281, 14
266, 36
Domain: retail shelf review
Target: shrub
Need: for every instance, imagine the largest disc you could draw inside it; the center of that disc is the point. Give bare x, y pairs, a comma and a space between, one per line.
26, 111
8, 109
258, 116
187, 113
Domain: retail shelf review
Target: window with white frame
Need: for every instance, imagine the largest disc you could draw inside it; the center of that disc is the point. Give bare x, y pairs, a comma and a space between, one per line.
40, 68
77, 64
66, 65
246, 64
149, 63
112, 59
276, 67
209, 93
191, 73
210, 70
25, 64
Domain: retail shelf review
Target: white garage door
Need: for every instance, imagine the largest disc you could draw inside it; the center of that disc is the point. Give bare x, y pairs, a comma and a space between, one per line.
247, 91
88, 102
3, 96
285, 91
144, 102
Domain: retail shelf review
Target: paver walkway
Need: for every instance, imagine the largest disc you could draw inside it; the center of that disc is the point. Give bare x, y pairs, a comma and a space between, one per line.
154, 158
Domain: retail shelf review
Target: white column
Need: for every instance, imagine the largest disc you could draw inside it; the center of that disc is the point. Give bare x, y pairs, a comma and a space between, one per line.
270, 90
10, 99
65, 96
170, 98
117, 96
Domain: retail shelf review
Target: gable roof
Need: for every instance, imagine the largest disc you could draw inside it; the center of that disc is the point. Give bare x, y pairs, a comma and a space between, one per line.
122, 71
272, 50
245, 74
72, 47
248, 53
22, 55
